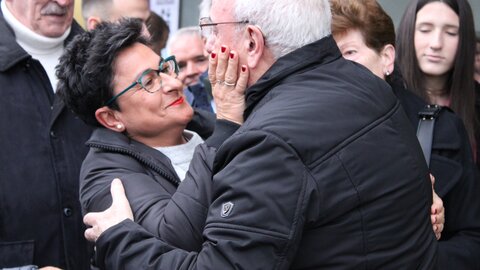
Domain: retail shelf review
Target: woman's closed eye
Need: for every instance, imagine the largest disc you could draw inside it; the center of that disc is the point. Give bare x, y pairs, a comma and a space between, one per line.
149, 79
349, 54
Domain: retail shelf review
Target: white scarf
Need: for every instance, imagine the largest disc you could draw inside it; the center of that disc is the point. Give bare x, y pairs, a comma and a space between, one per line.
45, 49
181, 155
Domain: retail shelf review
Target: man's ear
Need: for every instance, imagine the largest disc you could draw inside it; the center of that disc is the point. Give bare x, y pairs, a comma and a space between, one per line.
92, 22
388, 58
109, 119
254, 45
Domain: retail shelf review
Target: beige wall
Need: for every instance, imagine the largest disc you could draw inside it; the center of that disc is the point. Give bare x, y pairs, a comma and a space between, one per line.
78, 12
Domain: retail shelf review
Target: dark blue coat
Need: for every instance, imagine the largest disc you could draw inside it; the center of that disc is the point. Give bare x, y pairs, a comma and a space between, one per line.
42, 149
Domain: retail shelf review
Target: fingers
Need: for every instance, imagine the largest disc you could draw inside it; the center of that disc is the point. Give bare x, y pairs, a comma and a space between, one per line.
91, 234
116, 213
437, 214
223, 67
222, 64
212, 68
432, 179
232, 70
229, 81
242, 80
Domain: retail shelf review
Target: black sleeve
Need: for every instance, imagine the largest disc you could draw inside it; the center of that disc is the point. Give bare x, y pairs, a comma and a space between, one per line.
260, 230
202, 122
184, 218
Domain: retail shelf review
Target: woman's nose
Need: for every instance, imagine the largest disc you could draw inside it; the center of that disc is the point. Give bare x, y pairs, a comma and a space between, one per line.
436, 40
170, 83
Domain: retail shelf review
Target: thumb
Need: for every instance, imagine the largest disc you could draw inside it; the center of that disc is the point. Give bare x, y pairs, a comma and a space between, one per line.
120, 204
118, 192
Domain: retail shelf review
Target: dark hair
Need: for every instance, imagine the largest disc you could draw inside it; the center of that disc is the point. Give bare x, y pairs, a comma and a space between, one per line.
159, 31
86, 69
461, 84
366, 16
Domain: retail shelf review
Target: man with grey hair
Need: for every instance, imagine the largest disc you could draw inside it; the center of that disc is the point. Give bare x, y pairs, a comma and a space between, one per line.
96, 11
325, 172
189, 50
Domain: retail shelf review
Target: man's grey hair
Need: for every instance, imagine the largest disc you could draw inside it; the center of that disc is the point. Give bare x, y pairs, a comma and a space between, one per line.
183, 32
204, 8
97, 8
286, 25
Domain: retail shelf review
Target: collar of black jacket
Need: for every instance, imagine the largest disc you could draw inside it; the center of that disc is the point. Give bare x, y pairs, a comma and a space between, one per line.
319, 52
116, 142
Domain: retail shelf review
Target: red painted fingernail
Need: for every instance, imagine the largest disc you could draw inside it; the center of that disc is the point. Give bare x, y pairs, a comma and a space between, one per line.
244, 68
213, 55
232, 55
224, 48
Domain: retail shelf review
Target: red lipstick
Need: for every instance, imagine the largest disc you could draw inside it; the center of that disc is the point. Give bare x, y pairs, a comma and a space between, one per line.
178, 101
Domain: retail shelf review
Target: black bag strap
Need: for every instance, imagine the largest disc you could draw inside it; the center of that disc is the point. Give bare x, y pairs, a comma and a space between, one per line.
426, 125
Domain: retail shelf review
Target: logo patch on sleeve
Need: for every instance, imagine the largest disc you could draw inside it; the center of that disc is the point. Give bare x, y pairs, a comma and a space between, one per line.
226, 209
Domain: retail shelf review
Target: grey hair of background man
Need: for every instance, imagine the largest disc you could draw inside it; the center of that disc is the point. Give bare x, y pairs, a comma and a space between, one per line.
204, 8
286, 25
97, 8
183, 32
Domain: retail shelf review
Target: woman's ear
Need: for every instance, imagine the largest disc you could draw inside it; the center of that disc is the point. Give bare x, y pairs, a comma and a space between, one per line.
388, 58
254, 45
109, 119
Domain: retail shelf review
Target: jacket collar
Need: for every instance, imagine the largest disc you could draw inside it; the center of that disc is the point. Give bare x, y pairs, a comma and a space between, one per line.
112, 141
11, 52
319, 52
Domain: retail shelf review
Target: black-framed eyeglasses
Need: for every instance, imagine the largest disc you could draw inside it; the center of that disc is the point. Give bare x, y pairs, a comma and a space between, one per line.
149, 78
209, 28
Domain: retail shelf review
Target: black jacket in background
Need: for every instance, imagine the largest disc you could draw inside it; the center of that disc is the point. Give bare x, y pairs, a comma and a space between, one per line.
43, 147
456, 182
326, 172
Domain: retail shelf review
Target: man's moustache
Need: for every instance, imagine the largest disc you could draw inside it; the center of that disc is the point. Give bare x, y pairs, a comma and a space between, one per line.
53, 8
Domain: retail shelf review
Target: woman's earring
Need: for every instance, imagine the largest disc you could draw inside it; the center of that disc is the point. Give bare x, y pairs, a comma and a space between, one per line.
119, 126
387, 73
